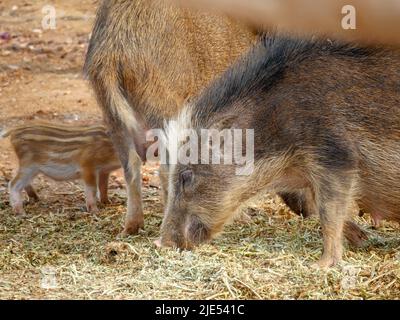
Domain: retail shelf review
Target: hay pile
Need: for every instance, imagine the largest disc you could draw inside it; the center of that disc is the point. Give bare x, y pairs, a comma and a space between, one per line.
58, 251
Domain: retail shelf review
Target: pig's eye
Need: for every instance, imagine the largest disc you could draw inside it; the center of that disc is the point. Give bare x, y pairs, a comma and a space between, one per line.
186, 178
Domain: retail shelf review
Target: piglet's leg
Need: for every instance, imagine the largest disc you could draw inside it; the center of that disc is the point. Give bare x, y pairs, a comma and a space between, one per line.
89, 178
31, 193
20, 181
103, 187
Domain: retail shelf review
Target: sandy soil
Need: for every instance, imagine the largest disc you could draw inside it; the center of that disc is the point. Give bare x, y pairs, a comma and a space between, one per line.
266, 255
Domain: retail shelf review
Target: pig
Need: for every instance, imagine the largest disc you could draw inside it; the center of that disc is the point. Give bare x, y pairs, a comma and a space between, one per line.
326, 120
145, 59
62, 152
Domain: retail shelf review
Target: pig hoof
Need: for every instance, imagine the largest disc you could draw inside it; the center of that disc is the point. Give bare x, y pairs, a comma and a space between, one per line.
92, 209
325, 263
157, 243
19, 211
31, 201
129, 232
376, 225
20, 214
321, 265
132, 229
105, 202
126, 234
34, 199
355, 235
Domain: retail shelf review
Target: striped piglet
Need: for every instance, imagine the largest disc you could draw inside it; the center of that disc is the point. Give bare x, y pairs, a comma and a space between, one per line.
62, 153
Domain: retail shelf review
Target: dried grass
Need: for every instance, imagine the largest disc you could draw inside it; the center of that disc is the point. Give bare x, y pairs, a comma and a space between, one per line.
265, 256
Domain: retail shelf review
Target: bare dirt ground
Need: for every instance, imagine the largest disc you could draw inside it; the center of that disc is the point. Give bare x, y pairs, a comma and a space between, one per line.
59, 251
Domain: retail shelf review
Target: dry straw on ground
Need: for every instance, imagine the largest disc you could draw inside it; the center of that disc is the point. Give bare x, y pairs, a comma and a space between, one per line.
265, 255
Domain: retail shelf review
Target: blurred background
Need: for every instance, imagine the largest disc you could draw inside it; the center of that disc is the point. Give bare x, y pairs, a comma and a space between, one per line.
375, 20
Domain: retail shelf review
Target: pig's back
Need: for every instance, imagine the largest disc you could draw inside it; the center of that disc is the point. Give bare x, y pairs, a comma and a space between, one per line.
365, 102
163, 55
308, 96
353, 94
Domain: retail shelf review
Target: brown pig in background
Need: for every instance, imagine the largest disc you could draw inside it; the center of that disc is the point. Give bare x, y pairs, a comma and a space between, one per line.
146, 58
326, 119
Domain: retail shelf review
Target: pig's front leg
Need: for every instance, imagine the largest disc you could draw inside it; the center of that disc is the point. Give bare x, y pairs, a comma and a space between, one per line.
90, 180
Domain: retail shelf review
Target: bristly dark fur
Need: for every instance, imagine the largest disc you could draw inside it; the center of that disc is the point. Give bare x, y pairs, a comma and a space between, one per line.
266, 64
325, 121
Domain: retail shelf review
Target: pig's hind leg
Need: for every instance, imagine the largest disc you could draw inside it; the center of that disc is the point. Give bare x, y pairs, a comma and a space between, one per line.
20, 182
123, 142
134, 218
299, 203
